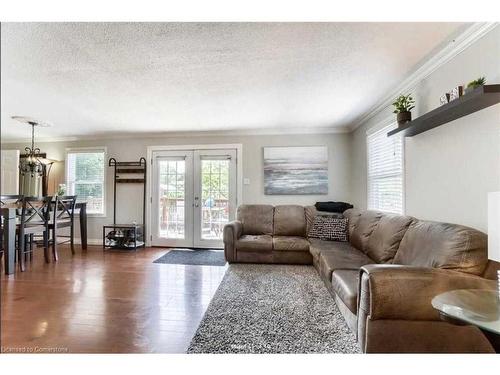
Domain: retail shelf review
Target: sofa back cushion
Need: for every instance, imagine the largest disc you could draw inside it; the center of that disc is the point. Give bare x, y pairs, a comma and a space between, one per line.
310, 212
363, 229
386, 237
442, 245
256, 219
290, 220
353, 215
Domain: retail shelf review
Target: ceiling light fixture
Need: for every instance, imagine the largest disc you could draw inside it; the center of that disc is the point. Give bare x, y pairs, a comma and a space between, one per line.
34, 163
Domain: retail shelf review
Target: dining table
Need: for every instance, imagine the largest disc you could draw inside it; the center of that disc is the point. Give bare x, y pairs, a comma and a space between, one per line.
9, 218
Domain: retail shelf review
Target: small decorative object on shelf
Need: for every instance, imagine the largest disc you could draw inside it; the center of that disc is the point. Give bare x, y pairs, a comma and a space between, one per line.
123, 236
456, 93
475, 84
444, 99
402, 107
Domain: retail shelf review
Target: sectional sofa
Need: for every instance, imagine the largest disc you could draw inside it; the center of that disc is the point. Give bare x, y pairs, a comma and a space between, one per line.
384, 278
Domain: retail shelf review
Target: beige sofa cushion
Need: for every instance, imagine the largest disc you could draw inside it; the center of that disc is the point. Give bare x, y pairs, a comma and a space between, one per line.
290, 243
333, 255
349, 260
345, 285
364, 227
256, 218
353, 215
316, 246
289, 220
442, 245
310, 212
249, 242
386, 237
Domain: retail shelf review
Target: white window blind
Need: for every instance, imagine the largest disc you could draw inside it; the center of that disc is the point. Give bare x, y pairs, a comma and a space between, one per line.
85, 177
385, 171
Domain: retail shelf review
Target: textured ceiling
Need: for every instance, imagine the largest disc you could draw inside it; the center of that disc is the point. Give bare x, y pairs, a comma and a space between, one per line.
92, 79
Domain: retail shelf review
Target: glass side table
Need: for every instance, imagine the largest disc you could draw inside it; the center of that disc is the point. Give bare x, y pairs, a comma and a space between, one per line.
474, 307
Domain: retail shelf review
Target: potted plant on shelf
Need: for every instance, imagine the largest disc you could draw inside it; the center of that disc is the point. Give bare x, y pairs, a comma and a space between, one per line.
402, 107
475, 84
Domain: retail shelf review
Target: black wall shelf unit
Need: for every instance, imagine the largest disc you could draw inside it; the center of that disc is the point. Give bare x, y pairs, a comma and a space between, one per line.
480, 98
121, 169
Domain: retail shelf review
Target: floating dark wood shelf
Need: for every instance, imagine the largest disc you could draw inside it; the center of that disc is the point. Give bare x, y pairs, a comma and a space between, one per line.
130, 170
480, 98
129, 180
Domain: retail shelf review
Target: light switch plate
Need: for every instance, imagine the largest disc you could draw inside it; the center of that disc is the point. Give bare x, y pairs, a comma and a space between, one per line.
246, 181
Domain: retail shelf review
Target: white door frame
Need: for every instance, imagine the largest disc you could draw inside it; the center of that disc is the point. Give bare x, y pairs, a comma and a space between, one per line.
149, 178
198, 241
187, 156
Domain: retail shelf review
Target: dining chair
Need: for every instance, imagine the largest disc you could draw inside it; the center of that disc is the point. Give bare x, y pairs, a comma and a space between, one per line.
63, 216
34, 221
10, 201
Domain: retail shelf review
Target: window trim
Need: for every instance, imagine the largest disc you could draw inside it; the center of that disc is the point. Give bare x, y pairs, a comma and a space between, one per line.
76, 150
383, 127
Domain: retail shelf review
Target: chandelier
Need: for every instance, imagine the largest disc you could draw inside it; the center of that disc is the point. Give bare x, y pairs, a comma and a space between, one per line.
33, 164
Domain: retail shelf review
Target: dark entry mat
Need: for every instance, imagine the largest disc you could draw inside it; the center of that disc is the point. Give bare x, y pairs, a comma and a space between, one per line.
193, 257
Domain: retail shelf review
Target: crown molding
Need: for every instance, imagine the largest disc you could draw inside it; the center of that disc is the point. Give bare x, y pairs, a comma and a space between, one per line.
215, 133
470, 35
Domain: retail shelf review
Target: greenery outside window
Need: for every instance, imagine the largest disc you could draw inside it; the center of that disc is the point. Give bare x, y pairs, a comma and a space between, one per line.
85, 177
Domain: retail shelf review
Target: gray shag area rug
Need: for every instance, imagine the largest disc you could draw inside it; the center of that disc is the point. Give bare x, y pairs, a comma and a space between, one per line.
193, 257
260, 308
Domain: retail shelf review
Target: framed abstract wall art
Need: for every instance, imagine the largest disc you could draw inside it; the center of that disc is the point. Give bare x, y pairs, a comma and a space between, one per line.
295, 170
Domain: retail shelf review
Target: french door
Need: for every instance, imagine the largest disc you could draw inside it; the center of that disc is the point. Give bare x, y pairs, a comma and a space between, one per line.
194, 196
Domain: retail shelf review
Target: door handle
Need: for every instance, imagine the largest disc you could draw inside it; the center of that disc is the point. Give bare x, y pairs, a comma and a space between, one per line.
196, 202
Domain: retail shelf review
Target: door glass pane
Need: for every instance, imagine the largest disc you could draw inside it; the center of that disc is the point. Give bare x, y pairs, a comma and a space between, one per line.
172, 198
214, 198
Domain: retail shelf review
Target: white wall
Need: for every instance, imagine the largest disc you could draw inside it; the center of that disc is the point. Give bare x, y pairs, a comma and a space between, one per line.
132, 149
449, 170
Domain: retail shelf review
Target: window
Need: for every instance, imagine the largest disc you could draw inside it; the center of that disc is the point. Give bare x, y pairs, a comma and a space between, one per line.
385, 171
85, 177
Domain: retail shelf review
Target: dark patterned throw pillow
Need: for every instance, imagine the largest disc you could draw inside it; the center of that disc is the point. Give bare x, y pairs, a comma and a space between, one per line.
330, 228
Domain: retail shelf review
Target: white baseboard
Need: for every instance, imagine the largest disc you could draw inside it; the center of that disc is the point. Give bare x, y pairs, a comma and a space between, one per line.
90, 241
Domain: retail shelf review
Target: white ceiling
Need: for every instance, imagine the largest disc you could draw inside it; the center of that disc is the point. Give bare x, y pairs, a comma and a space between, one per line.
108, 79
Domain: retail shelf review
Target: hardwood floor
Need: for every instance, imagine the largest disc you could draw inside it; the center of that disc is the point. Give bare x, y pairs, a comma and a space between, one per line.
111, 302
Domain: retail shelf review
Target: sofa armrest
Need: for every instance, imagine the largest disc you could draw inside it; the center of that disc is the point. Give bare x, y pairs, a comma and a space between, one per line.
406, 292
232, 231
